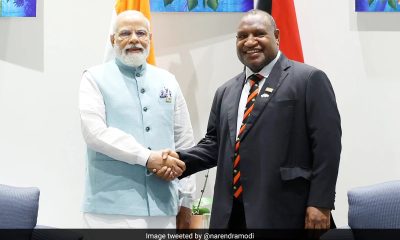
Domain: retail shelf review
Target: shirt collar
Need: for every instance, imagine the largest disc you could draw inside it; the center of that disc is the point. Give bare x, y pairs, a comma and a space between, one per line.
266, 70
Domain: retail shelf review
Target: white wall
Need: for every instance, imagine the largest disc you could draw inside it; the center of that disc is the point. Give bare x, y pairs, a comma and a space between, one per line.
357, 50
41, 61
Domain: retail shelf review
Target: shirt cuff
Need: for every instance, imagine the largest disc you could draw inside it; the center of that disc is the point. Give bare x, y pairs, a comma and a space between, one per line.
186, 202
143, 156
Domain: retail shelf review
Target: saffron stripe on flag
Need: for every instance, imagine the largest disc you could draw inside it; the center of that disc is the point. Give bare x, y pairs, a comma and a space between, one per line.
123, 5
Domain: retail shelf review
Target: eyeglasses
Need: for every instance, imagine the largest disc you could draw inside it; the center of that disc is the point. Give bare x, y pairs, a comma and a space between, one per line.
127, 34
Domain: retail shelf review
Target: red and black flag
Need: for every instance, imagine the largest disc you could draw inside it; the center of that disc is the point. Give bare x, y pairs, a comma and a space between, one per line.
284, 13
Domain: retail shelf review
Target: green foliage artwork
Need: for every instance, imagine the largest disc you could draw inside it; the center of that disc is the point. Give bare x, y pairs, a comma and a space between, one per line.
378, 5
201, 5
18, 8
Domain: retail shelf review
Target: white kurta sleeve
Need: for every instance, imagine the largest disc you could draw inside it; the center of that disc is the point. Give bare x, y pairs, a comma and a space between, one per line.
183, 135
98, 136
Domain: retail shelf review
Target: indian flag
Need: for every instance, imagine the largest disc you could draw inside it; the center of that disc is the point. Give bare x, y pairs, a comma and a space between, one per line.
123, 5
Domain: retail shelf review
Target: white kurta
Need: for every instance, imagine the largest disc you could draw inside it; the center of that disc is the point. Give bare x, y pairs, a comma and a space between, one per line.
124, 147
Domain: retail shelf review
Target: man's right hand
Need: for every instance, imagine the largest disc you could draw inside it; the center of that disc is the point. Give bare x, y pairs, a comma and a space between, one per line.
166, 173
165, 167
169, 152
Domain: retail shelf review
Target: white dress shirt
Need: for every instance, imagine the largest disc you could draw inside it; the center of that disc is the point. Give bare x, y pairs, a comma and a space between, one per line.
265, 71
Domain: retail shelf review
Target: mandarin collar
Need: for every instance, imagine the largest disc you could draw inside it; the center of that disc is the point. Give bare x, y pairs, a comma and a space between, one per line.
130, 71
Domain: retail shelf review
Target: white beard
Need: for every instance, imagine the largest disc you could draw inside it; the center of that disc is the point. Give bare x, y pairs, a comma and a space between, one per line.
131, 59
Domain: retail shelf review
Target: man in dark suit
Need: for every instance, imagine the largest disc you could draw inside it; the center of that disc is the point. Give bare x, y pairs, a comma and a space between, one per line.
274, 134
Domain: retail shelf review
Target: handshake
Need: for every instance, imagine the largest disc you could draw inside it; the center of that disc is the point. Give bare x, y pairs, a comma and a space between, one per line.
166, 164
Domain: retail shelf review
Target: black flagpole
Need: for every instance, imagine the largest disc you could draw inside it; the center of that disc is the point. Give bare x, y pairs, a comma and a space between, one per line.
265, 5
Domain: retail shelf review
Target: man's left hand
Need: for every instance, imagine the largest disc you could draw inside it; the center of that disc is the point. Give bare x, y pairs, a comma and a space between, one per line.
183, 218
317, 218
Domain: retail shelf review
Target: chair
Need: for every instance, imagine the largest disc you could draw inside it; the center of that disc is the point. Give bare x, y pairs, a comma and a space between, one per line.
375, 207
18, 207
374, 212
18, 216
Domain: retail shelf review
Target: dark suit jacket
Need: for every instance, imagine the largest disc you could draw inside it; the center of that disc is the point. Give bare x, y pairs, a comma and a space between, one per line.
289, 153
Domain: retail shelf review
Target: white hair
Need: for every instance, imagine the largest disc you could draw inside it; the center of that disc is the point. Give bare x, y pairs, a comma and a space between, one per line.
129, 13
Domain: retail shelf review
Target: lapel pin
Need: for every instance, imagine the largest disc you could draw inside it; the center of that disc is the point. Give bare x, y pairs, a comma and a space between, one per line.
264, 95
268, 89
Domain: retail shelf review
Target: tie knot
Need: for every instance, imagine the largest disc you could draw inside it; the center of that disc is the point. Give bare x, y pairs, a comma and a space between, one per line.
256, 77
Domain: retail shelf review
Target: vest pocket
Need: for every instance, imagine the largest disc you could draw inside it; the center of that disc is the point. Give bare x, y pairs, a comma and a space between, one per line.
166, 101
103, 157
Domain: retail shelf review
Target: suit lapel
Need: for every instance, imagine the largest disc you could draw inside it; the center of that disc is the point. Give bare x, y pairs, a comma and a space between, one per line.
233, 103
278, 74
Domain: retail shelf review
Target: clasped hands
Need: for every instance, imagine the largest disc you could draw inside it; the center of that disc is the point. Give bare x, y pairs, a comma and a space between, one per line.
166, 164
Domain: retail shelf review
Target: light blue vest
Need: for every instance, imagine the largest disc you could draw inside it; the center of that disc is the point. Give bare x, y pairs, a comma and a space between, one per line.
139, 101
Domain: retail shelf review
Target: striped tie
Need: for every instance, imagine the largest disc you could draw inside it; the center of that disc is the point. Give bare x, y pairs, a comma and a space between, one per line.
253, 80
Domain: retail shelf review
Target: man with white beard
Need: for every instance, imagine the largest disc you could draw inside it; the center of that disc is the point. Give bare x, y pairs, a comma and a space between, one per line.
130, 111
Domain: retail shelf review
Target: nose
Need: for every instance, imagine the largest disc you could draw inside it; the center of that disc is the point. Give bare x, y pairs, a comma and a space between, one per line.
250, 41
133, 39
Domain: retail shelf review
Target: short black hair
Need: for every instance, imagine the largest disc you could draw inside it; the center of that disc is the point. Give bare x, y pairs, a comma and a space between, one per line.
268, 16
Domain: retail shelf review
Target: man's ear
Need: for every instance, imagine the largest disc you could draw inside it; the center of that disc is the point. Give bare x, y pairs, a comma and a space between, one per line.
277, 36
112, 39
151, 36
